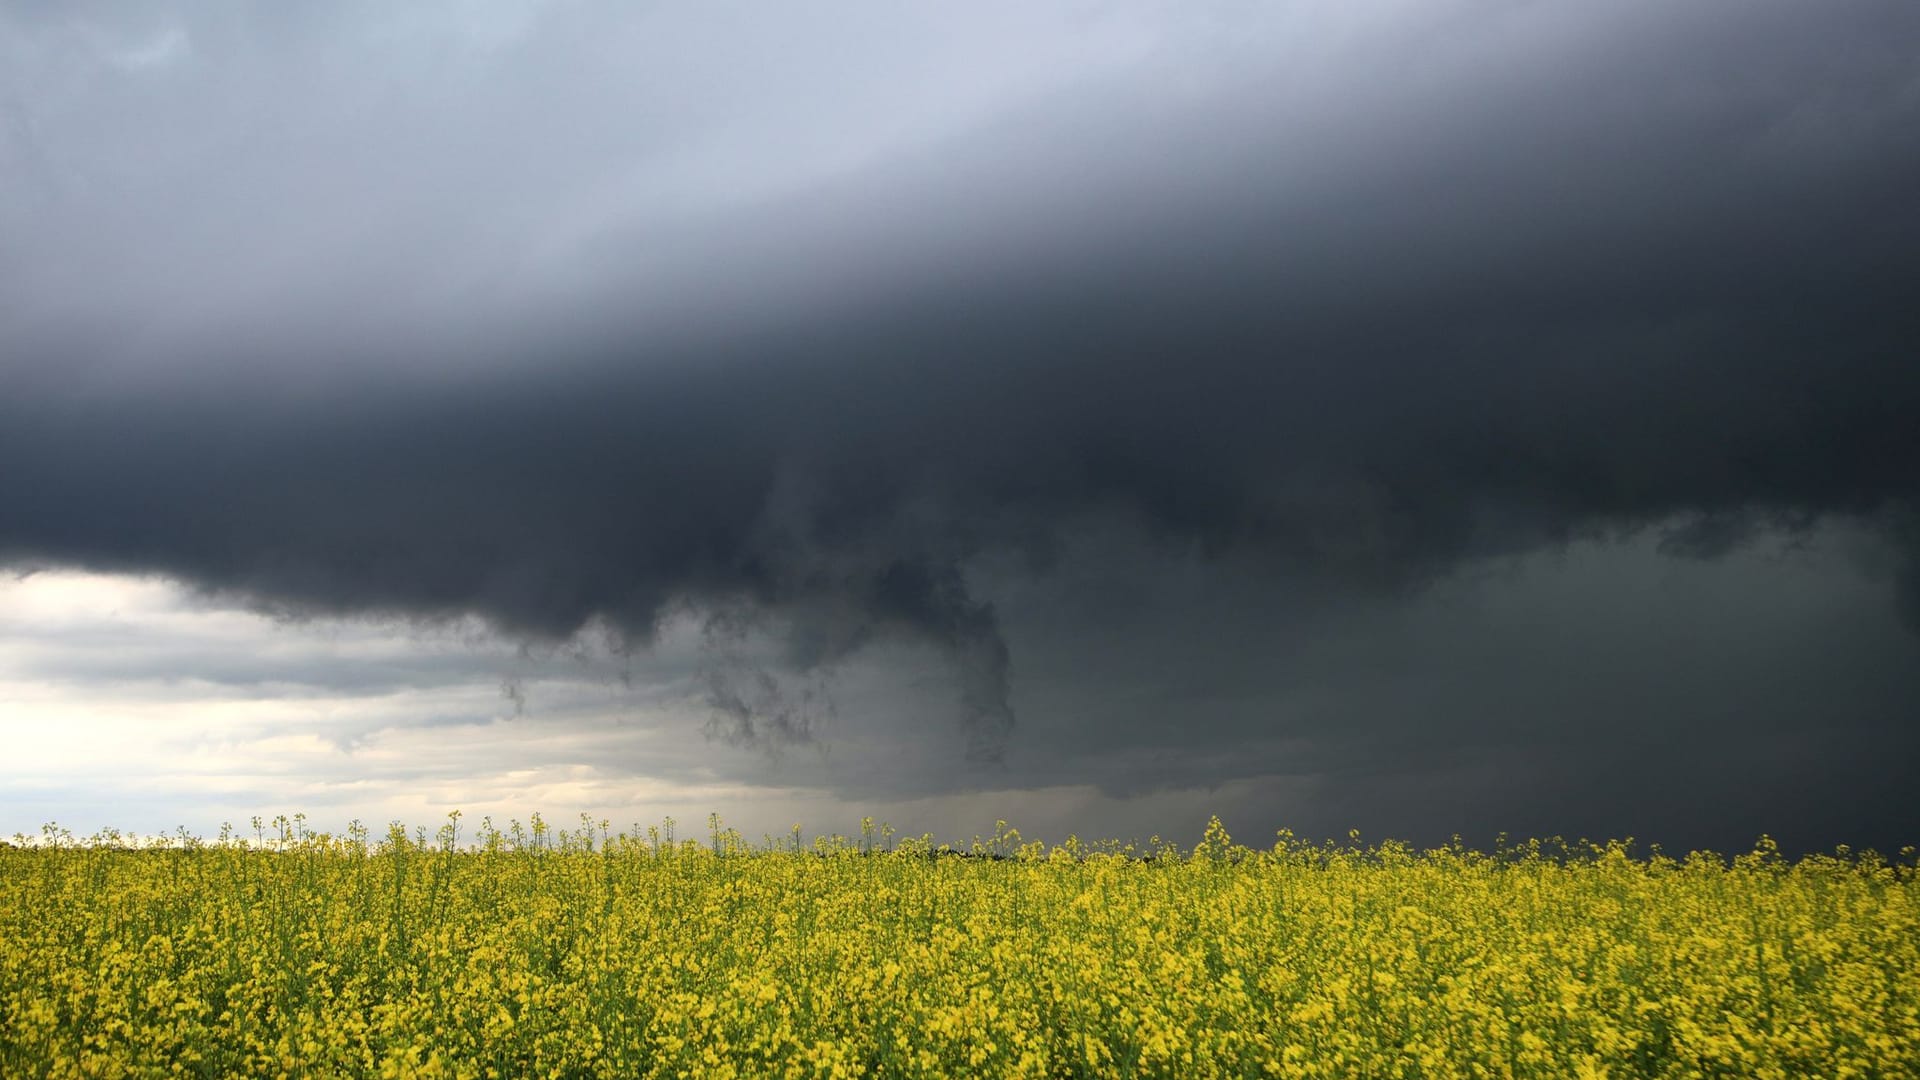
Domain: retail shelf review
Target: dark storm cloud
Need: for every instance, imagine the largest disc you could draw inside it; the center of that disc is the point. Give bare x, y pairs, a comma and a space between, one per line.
1607, 689
502, 330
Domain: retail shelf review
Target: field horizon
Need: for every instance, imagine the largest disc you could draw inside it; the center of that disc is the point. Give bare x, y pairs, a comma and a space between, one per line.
587, 833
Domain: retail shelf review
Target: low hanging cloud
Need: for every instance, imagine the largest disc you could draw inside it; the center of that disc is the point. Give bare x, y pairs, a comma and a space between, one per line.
564, 319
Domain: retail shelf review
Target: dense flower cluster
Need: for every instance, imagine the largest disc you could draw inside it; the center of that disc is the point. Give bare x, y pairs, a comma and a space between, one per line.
589, 954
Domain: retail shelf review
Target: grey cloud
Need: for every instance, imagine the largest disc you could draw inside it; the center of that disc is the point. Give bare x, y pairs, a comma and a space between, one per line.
525, 327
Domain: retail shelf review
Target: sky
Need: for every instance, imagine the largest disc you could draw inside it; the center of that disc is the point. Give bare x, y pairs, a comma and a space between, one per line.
1456, 417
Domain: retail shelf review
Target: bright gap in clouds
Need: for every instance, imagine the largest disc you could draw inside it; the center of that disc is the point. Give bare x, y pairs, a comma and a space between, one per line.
142, 705
134, 703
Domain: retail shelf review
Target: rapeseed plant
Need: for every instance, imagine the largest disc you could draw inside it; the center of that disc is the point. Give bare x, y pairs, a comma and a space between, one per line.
537, 951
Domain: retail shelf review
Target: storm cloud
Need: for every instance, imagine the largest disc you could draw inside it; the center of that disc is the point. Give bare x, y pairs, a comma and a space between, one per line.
840, 333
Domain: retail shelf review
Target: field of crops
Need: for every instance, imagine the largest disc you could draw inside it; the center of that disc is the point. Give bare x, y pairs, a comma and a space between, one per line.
535, 952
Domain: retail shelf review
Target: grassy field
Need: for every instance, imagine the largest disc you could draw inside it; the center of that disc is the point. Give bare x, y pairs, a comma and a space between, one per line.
535, 952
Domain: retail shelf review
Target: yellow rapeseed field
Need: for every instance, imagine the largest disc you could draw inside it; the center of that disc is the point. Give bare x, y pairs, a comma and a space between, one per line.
535, 952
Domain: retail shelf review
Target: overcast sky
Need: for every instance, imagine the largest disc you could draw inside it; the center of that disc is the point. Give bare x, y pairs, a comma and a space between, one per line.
1421, 417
